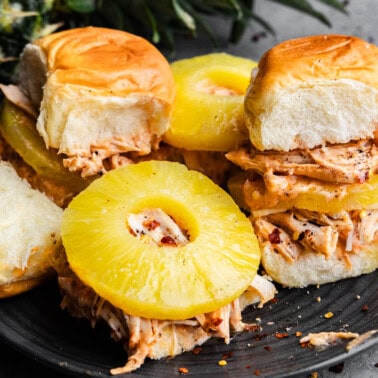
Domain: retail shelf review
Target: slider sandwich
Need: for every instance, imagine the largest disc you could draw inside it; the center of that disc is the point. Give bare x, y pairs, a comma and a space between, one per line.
162, 255
158, 252
87, 100
309, 177
30, 243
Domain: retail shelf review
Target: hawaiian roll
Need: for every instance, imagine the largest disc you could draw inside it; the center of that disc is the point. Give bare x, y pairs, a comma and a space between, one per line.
100, 92
313, 90
30, 243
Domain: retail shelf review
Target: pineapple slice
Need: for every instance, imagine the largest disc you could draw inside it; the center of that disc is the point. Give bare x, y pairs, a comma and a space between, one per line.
325, 197
208, 113
160, 241
19, 130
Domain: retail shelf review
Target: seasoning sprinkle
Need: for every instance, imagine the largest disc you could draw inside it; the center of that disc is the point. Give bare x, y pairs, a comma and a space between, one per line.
222, 362
183, 370
329, 315
197, 350
281, 335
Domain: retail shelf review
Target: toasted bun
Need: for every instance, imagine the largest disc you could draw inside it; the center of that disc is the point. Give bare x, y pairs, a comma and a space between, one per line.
313, 90
29, 234
314, 269
104, 91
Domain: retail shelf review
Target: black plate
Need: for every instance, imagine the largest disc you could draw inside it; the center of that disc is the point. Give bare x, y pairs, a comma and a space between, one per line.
34, 324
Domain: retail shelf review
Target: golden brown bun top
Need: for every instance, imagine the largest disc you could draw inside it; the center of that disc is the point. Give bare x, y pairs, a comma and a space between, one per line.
109, 60
322, 57
317, 88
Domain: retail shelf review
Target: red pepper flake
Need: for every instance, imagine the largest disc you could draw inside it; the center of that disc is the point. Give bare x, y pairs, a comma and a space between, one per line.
268, 348
168, 240
257, 372
252, 327
260, 336
305, 344
365, 308
151, 224
248, 366
216, 322
274, 300
227, 355
183, 370
281, 335
132, 232
274, 236
197, 350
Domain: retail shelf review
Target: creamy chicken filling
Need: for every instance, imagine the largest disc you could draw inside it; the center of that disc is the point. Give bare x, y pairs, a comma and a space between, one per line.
155, 338
348, 163
296, 231
273, 176
151, 338
158, 227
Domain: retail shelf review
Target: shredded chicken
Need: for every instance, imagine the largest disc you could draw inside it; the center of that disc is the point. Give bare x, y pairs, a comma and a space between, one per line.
360, 339
313, 236
367, 226
292, 232
158, 226
349, 163
151, 338
154, 338
269, 233
273, 176
322, 340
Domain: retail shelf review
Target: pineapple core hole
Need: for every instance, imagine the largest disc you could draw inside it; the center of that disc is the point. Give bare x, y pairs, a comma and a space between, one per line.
213, 88
158, 227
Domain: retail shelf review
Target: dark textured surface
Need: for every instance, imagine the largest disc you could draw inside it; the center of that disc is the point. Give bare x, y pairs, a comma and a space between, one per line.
40, 340
35, 326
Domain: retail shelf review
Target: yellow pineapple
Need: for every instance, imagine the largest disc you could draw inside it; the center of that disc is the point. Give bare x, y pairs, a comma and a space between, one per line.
19, 130
208, 111
160, 241
329, 197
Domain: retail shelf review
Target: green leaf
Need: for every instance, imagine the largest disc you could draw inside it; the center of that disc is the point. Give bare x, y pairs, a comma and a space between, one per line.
81, 6
338, 5
238, 27
148, 16
263, 23
184, 16
305, 7
112, 12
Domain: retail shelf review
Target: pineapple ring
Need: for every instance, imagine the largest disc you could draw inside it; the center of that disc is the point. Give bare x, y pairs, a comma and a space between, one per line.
324, 197
160, 282
208, 113
19, 130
